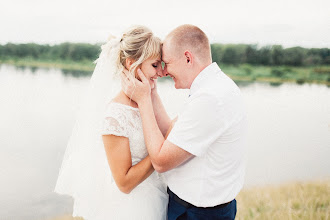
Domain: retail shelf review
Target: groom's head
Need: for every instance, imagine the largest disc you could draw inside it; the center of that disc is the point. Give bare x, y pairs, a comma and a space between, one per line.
186, 52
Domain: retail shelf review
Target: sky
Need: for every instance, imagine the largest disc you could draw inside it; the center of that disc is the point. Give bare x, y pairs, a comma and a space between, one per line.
286, 22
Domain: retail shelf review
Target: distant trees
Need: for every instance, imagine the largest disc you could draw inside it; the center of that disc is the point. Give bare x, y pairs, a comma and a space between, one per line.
64, 51
235, 54
252, 56
277, 55
24, 50
269, 55
76, 52
294, 56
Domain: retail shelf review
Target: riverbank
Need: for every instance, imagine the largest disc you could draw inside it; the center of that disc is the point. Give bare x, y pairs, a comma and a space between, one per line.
83, 66
241, 73
306, 200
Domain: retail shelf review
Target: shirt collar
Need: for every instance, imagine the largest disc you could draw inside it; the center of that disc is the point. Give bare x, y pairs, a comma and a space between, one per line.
213, 67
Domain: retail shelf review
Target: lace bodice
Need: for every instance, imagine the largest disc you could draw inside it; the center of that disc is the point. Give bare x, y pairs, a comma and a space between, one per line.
99, 197
124, 120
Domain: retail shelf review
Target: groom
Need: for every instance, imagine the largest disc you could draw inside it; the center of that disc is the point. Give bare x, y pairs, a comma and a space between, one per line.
203, 155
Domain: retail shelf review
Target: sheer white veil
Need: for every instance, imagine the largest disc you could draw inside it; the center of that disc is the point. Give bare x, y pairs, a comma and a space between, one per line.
84, 158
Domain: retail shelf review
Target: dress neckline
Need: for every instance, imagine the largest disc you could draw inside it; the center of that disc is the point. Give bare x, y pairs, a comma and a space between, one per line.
127, 106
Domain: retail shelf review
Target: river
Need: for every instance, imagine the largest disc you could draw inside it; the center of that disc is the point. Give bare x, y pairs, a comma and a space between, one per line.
289, 134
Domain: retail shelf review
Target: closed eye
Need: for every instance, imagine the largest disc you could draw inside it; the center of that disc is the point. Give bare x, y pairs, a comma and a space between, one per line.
155, 65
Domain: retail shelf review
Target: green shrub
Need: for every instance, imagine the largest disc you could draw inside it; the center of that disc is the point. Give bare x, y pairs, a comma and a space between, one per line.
277, 72
300, 81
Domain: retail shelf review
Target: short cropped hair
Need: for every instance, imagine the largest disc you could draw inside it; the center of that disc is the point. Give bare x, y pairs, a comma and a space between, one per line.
192, 38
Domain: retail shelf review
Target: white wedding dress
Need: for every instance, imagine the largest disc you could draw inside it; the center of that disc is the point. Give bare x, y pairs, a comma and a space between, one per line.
148, 201
85, 174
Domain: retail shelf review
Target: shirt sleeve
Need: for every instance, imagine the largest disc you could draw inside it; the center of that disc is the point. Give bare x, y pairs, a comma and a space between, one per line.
199, 125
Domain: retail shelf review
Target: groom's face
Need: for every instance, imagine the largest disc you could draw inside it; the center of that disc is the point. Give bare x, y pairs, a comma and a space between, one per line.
174, 65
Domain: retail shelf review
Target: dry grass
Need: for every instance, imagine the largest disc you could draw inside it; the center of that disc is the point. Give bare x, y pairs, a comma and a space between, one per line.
310, 200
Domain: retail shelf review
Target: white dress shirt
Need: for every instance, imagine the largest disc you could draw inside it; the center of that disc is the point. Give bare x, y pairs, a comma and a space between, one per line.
212, 127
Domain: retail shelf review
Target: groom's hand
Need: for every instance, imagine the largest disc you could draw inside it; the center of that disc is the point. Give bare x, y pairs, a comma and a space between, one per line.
135, 89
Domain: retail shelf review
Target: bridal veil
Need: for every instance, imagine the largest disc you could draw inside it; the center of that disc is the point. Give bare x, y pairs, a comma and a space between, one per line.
83, 165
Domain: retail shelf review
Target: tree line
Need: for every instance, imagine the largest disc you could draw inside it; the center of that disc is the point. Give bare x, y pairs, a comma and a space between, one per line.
274, 55
235, 54
63, 51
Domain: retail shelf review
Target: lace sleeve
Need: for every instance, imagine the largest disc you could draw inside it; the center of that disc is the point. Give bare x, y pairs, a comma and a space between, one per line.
113, 126
116, 121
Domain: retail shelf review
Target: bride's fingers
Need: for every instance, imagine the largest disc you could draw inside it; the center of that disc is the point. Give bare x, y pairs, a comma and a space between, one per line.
123, 80
125, 84
124, 77
142, 76
125, 72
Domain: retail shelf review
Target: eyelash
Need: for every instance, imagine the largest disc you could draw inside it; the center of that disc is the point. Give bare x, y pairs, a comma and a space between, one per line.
154, 65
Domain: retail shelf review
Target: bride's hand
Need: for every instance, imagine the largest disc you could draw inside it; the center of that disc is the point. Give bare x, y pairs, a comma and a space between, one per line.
135, 89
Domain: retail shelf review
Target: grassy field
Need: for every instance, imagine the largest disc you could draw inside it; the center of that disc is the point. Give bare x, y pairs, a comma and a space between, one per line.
308, 200
279, 74
244, 73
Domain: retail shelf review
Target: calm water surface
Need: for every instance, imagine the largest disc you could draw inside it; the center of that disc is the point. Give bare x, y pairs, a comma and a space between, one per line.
289, 135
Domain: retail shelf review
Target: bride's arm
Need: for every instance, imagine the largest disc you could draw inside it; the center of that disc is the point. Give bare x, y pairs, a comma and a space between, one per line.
162, 118
126, 176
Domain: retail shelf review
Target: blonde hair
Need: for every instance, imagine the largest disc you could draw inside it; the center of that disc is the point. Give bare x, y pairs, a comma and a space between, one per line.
138, 43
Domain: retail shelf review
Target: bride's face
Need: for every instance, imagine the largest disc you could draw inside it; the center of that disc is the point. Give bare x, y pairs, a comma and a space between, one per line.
152, 68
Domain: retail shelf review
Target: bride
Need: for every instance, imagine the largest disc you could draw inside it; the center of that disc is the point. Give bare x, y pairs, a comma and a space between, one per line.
106, 167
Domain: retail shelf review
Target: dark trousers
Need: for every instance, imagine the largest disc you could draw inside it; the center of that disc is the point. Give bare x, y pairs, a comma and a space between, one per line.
179, 209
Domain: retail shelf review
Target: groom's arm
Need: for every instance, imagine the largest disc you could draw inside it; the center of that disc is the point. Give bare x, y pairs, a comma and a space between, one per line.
163, 154
171, 127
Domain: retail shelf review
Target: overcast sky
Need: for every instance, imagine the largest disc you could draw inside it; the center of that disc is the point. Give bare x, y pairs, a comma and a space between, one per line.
286, 22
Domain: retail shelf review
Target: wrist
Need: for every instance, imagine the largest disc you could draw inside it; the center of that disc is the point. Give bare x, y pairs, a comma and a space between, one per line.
154, 96
145, 100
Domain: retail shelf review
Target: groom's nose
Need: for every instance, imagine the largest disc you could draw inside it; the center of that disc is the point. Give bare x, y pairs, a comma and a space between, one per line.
161, 72
164, 72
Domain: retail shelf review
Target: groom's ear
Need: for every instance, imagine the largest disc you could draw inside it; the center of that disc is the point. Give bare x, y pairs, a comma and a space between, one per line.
189, 57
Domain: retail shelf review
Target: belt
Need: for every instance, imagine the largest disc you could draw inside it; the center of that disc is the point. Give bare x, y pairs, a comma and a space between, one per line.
188, 205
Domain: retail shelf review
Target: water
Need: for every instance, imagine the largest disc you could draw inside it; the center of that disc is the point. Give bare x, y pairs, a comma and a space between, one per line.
289, 135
